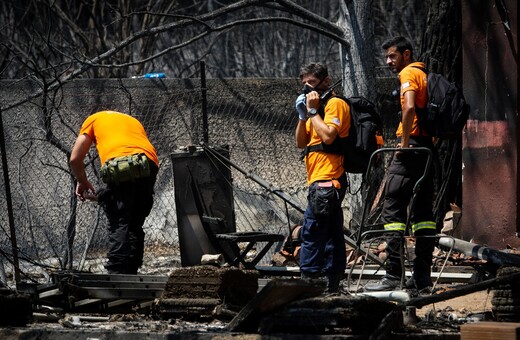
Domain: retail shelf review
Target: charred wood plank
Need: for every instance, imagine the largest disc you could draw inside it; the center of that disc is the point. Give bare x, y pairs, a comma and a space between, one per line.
275, 294
230, 284
359, 315
392, 321
462, 290
190, 302
122, 293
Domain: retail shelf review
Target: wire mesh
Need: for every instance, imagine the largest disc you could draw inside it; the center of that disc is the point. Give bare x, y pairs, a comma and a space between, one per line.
255, 118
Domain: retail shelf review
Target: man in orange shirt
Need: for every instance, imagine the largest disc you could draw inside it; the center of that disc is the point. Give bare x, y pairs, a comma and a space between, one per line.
323, 243
404, 171
130, 167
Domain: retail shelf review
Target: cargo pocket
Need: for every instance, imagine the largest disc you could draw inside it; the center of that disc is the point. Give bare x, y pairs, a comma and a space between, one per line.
323, 199
104, 196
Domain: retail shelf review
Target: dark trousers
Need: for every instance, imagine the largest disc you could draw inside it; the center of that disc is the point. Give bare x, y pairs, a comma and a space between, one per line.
403, 174
423, 255
126, 206
323, 241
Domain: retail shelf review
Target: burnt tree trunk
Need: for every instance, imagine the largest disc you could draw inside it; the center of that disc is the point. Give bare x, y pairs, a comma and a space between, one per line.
441, 46
358, 65
441, 50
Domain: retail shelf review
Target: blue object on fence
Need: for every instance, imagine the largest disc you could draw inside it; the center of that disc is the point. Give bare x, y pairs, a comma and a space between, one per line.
151, 75
154, 75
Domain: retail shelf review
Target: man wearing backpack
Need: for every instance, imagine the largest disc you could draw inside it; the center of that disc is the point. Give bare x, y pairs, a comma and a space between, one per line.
404, 171
320, 120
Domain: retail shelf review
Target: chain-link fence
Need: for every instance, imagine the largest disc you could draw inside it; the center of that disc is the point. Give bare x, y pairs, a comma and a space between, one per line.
255, 118
55, 231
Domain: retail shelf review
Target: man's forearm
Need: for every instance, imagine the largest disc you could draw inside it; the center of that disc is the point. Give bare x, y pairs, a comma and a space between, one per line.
326, 133
78, 170
407, 123
301, 135
77, 155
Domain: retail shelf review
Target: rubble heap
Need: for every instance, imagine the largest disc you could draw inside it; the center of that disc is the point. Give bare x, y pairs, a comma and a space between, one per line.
204, 291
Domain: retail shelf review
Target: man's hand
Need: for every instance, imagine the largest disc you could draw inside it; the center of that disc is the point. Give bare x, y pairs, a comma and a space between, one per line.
85, 190
301, 107
401, 146
313, 100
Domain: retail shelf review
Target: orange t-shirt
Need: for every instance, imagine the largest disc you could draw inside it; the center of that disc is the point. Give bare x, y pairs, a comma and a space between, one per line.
117, 134
413, 79
321, 165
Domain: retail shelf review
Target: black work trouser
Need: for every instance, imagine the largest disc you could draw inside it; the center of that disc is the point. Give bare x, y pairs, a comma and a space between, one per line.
126, 206
399, 203
422, 263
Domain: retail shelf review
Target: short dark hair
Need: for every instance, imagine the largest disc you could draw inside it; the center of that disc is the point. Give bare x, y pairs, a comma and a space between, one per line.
318, 70
401, 43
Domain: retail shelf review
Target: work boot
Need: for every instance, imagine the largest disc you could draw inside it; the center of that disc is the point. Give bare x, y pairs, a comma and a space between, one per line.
115, 269
416, 288
388, 282
313, 279
419, 281
310, 275
410, 283
333, 283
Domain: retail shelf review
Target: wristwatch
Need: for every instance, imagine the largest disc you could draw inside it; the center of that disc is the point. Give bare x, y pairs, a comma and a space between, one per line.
312, 112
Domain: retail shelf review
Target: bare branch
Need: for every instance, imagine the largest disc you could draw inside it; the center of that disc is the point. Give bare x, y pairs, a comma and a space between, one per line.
329, 29
303, 13
223, 28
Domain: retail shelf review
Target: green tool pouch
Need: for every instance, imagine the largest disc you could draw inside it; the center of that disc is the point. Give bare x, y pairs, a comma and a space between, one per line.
124, 169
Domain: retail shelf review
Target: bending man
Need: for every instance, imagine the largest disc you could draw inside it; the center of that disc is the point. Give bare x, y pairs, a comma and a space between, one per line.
130, 167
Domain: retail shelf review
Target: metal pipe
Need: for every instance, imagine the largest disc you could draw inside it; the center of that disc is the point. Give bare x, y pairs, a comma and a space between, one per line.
10, 214
395, 295
475, 250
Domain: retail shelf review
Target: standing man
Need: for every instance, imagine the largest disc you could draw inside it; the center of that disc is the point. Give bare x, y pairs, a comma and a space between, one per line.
404, 171
322, 121
130, 167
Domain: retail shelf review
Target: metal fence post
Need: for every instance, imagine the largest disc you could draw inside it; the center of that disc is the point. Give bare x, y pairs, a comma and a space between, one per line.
9, 202
205, 128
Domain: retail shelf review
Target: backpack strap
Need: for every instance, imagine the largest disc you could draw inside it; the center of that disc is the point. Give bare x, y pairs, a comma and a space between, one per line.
421, 68
421, 112
334, 147
313, 148
310, 148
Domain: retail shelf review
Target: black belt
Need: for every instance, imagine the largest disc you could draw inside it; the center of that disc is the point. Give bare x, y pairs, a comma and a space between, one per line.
425, 141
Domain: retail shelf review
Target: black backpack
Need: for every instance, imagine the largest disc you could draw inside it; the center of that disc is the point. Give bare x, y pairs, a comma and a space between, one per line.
361, 142
446, 112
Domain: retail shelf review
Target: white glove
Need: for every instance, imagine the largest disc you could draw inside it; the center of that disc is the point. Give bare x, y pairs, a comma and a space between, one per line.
301, 107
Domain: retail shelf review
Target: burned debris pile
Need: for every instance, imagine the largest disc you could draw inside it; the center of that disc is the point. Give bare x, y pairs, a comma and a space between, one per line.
506, 297
80, 292
16, 308
359, 315
207, 291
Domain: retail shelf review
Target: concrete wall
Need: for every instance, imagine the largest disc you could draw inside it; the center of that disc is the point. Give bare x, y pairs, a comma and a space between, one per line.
490, 151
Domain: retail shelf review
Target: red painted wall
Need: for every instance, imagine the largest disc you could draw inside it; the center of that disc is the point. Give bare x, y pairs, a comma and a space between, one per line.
490, 179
